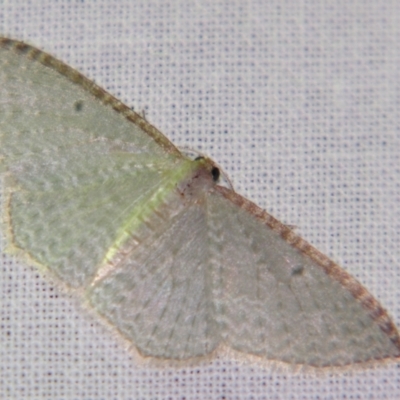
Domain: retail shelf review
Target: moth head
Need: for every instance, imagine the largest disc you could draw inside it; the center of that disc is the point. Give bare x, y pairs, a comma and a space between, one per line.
203, 176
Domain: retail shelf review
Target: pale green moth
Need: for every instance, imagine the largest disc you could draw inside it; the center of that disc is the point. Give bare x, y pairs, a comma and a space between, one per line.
180, 266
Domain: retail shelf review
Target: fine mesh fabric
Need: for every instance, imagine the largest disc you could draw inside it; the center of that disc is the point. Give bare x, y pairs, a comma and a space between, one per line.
298, 102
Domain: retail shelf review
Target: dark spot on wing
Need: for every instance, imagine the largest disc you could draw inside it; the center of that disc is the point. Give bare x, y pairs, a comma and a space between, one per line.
298, 270
78, 105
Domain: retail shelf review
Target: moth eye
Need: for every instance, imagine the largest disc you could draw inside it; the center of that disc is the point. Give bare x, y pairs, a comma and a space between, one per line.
215, 174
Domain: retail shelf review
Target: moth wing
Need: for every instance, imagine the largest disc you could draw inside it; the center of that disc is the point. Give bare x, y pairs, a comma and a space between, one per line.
160, 295
76, 162
223, 273
278, 298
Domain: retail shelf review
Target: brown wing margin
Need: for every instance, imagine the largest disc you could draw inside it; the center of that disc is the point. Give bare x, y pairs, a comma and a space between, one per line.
76, 77
377, 313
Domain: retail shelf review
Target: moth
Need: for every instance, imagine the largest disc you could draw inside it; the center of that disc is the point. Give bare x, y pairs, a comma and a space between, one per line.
179, 265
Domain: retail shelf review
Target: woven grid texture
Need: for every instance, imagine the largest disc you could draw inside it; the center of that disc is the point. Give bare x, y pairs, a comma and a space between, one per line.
297, 101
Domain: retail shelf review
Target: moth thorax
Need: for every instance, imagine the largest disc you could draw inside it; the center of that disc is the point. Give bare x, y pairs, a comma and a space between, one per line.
197, 184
